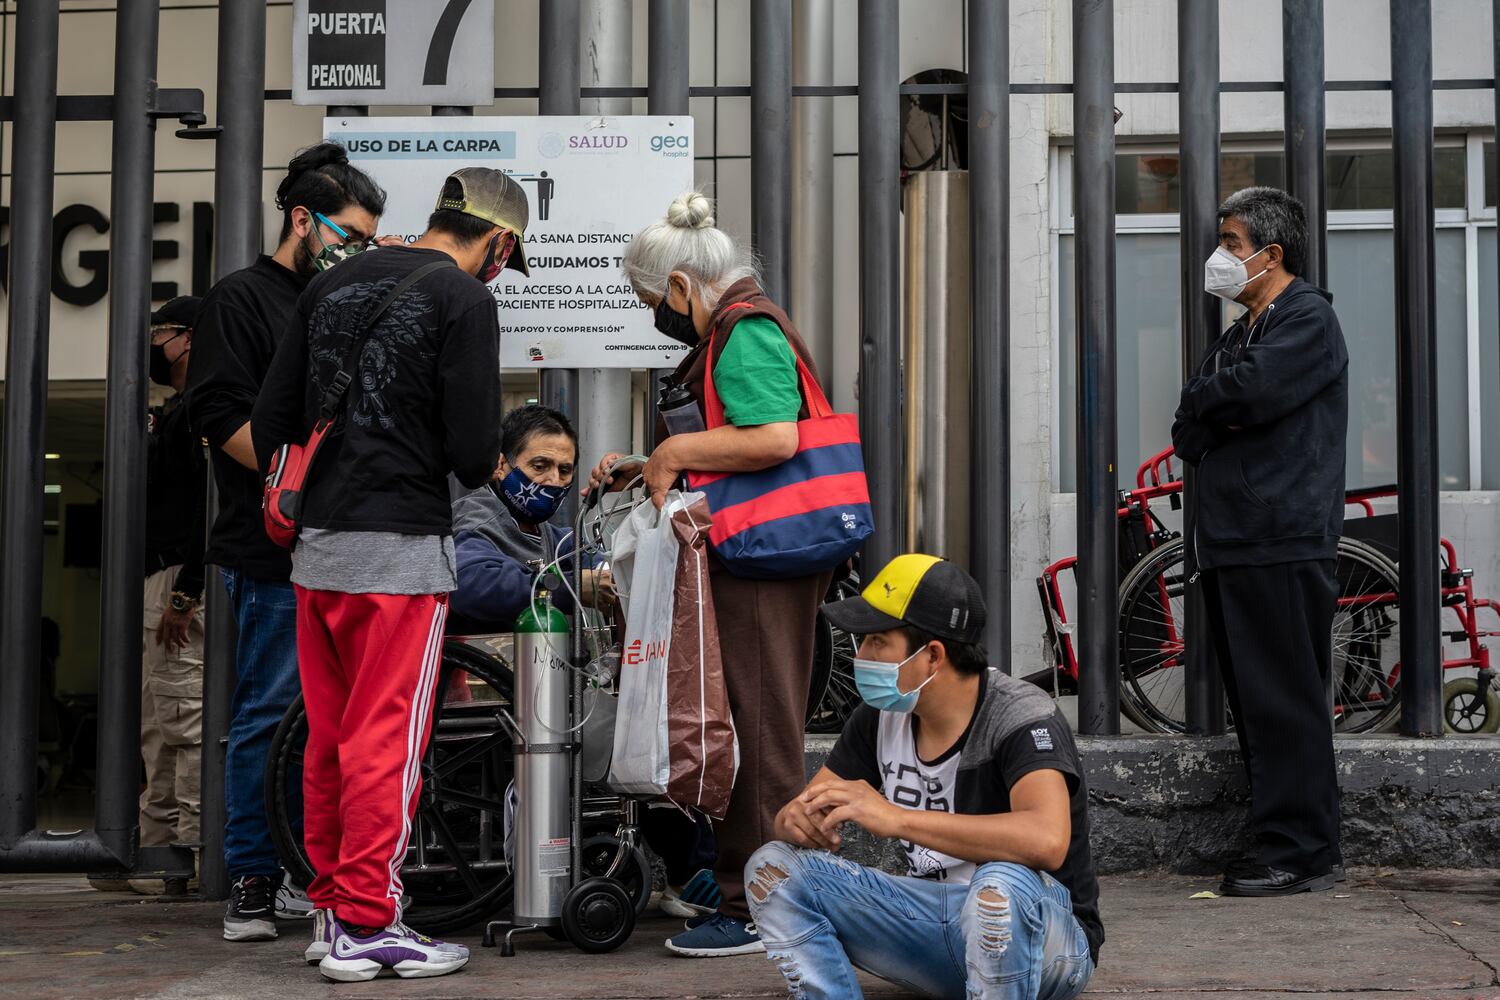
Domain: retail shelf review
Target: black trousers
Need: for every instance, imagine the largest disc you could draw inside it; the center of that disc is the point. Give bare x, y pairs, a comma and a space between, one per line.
1272, 628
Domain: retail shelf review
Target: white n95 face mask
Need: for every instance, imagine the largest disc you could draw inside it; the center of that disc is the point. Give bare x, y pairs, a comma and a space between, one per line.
1226, 276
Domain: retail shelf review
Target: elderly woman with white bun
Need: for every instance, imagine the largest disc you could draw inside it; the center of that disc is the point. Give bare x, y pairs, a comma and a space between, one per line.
691, 274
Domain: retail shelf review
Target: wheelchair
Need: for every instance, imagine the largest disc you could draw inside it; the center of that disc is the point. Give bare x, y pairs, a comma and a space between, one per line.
455, 873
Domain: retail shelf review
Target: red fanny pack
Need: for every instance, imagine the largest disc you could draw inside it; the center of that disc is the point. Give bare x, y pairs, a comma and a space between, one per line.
286, 480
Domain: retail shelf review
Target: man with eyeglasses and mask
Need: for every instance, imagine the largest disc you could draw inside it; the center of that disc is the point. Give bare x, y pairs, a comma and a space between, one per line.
328, 206
374, 560
1262, 421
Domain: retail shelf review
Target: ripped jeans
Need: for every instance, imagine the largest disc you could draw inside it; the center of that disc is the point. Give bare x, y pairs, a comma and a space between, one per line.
1010, 934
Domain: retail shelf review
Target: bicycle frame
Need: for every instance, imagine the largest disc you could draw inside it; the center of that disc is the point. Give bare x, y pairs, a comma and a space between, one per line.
1156, 478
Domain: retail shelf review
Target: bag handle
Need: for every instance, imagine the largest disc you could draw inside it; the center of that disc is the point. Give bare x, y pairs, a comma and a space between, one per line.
713, 408
333, 398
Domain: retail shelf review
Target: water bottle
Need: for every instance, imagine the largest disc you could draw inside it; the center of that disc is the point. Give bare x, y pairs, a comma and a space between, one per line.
678, 409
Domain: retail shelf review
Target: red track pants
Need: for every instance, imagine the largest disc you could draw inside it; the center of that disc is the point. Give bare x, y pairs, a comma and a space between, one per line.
369, 665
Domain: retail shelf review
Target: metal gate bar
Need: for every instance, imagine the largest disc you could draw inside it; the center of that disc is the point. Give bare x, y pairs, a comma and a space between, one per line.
1094, 252
989, 311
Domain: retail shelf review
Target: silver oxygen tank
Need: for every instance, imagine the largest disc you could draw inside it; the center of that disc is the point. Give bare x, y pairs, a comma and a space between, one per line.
544, 819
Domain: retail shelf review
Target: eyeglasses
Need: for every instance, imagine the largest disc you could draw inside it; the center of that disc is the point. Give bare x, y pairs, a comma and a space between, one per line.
351, 244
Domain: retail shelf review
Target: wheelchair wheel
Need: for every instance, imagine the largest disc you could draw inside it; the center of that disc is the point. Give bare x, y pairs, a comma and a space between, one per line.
455, 872
832, 696
598, 853
597, 915
1464, 712
1365, 636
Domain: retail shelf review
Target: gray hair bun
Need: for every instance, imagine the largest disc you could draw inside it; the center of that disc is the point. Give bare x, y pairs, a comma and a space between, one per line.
691, 210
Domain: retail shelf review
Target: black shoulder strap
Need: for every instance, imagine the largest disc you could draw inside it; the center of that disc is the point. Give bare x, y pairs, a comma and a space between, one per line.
341, 379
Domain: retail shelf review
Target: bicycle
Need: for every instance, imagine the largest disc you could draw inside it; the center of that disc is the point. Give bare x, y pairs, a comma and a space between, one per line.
1366, 629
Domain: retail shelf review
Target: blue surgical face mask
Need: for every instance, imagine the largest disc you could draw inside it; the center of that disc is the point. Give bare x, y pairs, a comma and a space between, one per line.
529, 501
877, 684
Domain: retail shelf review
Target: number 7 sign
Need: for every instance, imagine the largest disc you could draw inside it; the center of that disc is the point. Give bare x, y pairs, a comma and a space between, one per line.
393, 52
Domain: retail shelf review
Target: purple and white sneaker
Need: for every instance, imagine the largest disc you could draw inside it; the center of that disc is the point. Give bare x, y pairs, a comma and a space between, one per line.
322, 939
410, 955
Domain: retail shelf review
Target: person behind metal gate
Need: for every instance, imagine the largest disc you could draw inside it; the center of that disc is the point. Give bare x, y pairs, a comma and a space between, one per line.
328, 207
698, 280
976, 775
374, 562
1262, 421
172, 664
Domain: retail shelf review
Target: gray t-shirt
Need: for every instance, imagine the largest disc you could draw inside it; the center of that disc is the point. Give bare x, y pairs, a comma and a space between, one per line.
374, 562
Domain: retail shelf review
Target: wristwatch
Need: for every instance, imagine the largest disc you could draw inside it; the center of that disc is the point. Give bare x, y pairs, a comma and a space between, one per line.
182, 602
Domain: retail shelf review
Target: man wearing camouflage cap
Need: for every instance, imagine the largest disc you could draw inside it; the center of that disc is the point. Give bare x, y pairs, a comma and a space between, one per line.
374, 562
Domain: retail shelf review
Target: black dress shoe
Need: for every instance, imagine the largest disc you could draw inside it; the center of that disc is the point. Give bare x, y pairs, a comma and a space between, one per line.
1240, 866
1261, 880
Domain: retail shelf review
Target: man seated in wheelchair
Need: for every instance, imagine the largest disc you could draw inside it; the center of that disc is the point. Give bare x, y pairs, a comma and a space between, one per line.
976, 775
501, 531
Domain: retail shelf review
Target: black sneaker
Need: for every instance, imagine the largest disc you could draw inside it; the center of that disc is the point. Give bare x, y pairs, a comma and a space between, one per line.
252, 908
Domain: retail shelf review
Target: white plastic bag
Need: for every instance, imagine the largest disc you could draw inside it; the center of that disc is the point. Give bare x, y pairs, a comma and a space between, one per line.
646, 552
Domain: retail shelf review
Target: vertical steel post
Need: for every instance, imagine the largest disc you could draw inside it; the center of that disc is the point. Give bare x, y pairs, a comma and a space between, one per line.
812, 182
560, 81
604, 394
1305, 124
666, 94
238, 239
32, 164
1094, 209
989, 290
771, 143
1198, 113
881, 420
133, 169
348, 111
1416, 368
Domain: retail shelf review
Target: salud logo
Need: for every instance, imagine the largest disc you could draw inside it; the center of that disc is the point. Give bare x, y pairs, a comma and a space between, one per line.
550, 145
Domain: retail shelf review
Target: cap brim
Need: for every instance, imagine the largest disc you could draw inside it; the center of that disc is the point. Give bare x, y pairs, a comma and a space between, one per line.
858, 616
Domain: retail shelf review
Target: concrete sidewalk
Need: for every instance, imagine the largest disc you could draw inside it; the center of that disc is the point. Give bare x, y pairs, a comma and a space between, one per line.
1408, 935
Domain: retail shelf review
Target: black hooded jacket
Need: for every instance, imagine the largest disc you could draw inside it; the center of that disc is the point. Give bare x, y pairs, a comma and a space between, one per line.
1264, 421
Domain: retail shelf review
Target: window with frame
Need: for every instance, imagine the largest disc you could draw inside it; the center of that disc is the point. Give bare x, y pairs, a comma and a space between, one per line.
1361, 278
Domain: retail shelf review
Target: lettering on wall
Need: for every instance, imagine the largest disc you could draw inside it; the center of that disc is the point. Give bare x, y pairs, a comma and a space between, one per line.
83, 220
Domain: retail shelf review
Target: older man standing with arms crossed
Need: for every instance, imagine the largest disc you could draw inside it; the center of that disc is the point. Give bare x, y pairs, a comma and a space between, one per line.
1263, 421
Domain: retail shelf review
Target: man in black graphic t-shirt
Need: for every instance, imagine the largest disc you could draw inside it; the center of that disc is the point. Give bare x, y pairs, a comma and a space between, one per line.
977, 776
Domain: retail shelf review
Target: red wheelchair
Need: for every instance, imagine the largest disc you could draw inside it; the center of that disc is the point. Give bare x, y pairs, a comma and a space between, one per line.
1366, 628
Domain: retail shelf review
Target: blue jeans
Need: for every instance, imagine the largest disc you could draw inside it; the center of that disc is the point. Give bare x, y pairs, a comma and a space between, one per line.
1010, 934
266, 664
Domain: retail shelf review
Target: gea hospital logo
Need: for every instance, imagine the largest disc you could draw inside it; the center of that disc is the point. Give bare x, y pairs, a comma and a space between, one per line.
671, 145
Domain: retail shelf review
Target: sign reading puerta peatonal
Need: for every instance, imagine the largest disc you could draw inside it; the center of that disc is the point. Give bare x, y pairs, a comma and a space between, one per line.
591, 183
393, 52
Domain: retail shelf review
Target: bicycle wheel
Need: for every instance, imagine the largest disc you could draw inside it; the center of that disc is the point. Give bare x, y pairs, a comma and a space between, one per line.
454, 872
1152, 623
833, 669
1365, 640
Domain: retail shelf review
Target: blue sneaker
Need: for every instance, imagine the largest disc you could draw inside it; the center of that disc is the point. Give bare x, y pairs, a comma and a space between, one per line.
700, 895
717, 936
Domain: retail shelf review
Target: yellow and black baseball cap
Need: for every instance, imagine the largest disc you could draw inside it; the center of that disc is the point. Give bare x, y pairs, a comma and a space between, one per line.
929, 593
495, 197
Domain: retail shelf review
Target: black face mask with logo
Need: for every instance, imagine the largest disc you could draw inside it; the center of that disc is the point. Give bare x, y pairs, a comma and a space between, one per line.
671, 323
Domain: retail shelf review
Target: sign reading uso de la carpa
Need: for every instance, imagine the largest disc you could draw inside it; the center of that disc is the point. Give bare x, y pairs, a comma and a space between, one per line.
590, 183
393, 52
